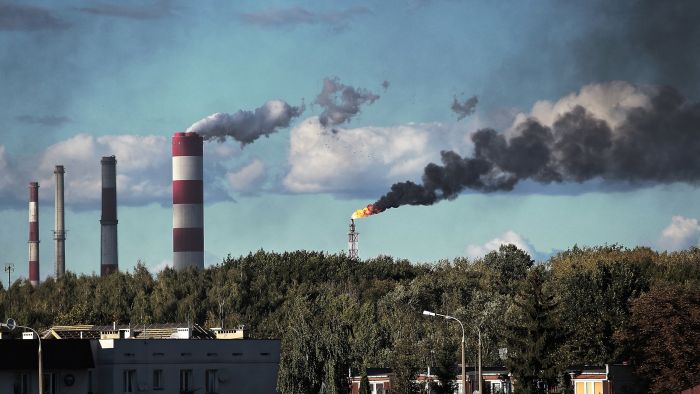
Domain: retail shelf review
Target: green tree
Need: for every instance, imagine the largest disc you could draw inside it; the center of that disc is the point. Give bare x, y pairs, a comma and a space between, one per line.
594, 303
364, 384
533, 337
510, 265
662, 338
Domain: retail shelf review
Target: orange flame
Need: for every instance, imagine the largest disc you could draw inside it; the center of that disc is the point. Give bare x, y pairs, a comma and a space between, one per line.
364, 212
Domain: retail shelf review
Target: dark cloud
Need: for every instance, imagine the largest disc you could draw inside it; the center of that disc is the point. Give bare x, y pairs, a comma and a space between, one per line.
294, 16
247, 126
341, 102
655, 144
155, 10
465, 108
46, 120
28, 18
385, 84
656, 41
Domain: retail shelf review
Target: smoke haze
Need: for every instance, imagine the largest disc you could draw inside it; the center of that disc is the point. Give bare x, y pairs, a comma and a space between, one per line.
247, 126
341, 102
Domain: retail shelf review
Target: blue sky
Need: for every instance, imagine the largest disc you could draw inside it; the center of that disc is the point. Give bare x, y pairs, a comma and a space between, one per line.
84, 79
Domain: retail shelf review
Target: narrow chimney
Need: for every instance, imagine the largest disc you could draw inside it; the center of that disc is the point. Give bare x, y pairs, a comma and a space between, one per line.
109, 262
188, 199
59, 233
34, 233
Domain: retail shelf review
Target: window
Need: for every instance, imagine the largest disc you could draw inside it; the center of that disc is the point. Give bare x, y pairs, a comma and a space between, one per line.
22, 384
129, 380
377, 388
589, 387
185, 380
50, 383
157, 379
496, 388
210, 383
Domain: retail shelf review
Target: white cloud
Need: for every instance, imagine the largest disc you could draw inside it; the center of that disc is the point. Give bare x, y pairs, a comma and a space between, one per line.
247, 178
144, 172
143, 167
509, 237
357, 160
609, 101
680, 234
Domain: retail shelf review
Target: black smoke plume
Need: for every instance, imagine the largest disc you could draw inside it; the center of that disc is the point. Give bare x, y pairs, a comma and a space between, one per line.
465, 108
341, 102
247, 126
655, 144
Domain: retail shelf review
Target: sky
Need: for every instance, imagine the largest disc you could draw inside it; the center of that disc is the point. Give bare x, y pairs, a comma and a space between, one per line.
324, 105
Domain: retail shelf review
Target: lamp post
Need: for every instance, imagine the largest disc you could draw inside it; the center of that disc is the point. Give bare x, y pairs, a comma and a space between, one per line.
11, 325
479, 329
464, 375
9, 267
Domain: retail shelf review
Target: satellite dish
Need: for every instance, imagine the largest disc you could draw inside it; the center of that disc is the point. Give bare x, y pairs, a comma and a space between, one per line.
11, 324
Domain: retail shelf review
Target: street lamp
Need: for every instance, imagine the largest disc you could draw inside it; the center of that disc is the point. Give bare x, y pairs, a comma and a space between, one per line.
479, 329
11, 325
9, 267
464, 375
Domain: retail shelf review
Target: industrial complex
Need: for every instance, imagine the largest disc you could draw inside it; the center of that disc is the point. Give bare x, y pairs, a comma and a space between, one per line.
188, 212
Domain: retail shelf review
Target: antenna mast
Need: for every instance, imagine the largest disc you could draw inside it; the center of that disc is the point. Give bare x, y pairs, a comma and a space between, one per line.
353, 237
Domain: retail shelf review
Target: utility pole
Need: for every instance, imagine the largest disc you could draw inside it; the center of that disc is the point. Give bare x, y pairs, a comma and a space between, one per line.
221, 312
9, 268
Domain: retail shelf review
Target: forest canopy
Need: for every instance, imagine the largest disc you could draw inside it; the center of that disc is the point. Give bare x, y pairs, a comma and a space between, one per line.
583, 306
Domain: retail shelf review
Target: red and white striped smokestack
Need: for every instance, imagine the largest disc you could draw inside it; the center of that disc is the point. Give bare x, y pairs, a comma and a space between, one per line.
59, 232
34, 233
188, 199
109, 258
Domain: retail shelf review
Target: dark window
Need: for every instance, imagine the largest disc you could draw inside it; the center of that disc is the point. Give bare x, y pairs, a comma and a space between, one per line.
185, 380
157, 379
210, 381
129, 380
21, 384
50, 383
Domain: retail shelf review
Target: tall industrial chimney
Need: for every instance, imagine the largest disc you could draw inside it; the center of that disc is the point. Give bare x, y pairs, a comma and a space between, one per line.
188, 200
34, 233
59, 232
109, 260
353, 237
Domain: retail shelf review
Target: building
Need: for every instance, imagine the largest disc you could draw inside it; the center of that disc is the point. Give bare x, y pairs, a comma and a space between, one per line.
62, 374
379, 380
156, 358
605, 379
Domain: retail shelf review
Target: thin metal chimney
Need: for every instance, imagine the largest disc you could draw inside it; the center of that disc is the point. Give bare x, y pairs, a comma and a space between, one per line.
34, 233
353, 238
59, 232
188, 200
109, 262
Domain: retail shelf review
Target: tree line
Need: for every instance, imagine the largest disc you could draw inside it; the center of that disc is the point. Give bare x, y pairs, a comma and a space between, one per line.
583, 306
